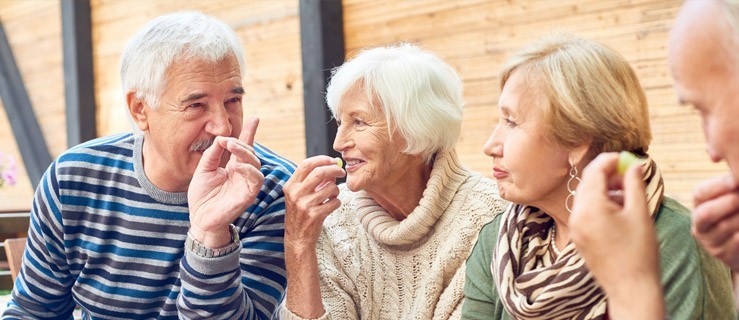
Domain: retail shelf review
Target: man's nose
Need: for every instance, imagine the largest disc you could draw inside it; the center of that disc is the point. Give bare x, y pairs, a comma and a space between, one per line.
219, 123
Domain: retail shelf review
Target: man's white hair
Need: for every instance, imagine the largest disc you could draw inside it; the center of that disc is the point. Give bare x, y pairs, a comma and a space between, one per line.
418, 93
181, 36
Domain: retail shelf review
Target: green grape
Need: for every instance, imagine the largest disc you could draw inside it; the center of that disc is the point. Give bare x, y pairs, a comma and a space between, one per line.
625, 160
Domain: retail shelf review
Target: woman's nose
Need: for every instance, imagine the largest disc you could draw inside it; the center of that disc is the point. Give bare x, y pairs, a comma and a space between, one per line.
342, 141
493, 146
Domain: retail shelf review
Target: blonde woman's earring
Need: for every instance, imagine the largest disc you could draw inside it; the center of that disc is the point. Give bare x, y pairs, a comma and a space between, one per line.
570, 188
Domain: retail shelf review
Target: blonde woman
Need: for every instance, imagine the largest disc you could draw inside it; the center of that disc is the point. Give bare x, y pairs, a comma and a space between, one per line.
565, 100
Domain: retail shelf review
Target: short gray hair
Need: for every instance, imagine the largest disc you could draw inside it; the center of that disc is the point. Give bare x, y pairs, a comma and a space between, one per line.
419, 94
177, 36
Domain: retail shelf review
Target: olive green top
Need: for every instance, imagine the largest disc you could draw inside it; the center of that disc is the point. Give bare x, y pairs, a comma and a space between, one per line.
696, 285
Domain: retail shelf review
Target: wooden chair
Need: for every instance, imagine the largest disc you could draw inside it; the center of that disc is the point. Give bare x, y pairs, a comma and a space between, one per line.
14, 248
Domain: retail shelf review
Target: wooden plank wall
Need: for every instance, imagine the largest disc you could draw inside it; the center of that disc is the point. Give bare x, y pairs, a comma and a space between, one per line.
34, 31
474, 36
477, 36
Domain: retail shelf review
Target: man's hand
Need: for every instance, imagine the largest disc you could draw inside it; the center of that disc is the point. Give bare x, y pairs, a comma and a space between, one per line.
716, 218
217, 196
618, 240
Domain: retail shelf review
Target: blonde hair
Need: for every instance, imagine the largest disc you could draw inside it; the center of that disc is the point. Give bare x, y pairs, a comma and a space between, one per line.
592, 93
419, 94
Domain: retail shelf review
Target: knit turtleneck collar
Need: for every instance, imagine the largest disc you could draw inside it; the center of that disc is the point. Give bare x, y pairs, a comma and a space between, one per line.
446, 177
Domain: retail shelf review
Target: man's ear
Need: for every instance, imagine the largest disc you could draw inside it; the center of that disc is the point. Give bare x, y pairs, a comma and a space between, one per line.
138, 111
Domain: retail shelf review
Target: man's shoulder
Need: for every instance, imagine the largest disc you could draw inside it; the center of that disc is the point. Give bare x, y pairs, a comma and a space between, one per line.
114, 147
121, 141
273, 163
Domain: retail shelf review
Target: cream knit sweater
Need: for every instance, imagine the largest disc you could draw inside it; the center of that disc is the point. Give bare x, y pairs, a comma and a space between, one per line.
375, 267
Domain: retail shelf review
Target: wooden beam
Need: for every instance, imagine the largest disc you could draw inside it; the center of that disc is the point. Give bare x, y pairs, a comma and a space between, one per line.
322, 44
26, 129
78, 73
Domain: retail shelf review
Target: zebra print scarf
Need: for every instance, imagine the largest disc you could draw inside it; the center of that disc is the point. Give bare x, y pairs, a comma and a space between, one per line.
532, 282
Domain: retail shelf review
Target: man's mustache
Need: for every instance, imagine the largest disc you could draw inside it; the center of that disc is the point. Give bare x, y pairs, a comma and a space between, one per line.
201, 145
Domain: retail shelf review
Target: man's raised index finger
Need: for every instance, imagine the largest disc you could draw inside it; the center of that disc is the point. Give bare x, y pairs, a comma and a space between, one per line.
249, 130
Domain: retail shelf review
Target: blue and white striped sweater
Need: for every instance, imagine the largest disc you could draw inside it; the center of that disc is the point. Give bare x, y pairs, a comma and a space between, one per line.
103, 236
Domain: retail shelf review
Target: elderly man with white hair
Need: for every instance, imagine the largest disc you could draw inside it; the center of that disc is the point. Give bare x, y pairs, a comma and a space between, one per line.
617, 238
181, 220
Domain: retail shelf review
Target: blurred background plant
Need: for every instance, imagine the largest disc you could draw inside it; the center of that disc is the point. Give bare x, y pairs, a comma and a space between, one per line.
8, 172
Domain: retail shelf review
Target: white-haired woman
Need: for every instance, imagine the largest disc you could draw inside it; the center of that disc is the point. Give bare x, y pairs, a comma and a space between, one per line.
391, 242
564, 101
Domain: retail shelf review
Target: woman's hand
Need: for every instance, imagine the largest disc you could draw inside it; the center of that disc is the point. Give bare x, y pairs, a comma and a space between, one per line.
218, 195
716, 218
310, 196
617, 239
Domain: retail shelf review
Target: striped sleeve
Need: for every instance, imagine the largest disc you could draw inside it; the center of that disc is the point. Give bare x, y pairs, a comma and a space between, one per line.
42, 290
247, 284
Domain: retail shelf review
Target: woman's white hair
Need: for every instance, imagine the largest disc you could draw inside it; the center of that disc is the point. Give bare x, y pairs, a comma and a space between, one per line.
731, 19
419, 94
180, 36
731, 9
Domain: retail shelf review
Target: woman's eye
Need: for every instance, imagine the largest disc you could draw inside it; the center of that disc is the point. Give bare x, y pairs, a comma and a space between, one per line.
510, 123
